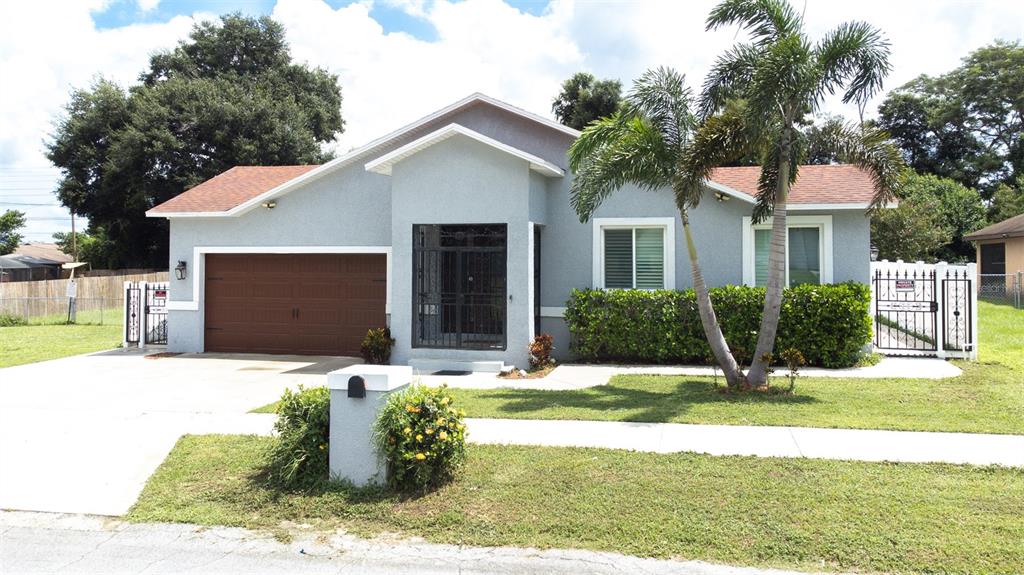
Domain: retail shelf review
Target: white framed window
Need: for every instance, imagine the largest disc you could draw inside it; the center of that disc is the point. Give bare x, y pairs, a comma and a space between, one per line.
634, 253
808, 250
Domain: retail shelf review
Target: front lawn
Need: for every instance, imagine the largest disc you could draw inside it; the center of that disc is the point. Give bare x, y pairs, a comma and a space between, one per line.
32, 343
987, 398
792, 513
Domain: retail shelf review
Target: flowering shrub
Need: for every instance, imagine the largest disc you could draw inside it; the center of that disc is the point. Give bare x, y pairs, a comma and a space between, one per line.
422, 436
299, 456
540, 351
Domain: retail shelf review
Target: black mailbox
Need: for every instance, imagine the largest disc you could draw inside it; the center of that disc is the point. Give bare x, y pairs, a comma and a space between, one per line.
356, 386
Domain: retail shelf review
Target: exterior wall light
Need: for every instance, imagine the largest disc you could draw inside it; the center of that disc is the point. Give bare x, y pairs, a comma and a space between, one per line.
270, 204
874, 253
180, 270
721, 197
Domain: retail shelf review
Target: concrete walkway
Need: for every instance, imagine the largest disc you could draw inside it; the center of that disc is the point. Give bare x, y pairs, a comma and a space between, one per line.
51, 543
582, 376
760, 441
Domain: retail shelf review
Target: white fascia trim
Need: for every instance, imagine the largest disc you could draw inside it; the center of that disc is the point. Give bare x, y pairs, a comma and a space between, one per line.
601, 224
730, 191
383, 164
823, 223
346, 159
199, 265
552, 311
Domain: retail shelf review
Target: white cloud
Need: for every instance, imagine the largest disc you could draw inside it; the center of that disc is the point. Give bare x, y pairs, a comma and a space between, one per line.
148, 5
389, 79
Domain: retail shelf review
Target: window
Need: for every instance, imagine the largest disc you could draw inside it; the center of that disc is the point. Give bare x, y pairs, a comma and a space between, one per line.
634, 253
808, 251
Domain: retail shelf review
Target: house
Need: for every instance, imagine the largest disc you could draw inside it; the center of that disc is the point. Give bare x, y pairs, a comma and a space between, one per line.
1000, 252
457, 231
37, 261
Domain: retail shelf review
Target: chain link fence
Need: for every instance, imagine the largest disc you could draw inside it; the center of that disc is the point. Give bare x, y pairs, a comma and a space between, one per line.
1003, 289
55, 310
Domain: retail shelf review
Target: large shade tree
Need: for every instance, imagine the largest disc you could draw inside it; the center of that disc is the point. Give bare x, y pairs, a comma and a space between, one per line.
755, 98
584, 99
228, 95
643, 144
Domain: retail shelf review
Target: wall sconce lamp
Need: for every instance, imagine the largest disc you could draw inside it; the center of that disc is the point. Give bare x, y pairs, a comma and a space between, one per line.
874, 253
721, 197
271, 204
180, 269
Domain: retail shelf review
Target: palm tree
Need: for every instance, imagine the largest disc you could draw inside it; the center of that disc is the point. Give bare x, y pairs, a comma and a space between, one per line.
752, 101
643, 144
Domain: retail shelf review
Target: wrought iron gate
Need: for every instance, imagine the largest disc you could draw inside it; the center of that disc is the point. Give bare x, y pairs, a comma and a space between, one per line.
145, 313
921, 309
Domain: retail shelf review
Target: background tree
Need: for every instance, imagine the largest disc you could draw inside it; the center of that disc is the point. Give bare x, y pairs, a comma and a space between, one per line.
967, 124
584, 99
93, 248
958, 208
643, 144
912, 231
1007, 200
11, 223
756, 96
229, 95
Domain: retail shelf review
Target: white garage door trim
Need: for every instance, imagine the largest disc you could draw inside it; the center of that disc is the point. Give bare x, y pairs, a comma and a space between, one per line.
199, 262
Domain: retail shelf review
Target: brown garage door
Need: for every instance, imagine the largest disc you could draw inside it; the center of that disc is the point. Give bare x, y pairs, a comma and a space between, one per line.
312, 304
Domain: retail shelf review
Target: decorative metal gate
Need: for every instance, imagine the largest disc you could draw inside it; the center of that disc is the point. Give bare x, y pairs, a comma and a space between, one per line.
924, 309
145, 313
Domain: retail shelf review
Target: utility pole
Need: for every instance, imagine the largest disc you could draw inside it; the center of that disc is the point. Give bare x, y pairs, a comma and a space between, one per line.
74, 238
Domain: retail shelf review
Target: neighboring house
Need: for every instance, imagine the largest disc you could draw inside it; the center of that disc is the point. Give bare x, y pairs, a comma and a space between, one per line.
31, 262
1000, 251
457, 231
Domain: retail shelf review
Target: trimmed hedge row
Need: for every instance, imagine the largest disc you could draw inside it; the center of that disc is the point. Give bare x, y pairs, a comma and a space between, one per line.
829, 324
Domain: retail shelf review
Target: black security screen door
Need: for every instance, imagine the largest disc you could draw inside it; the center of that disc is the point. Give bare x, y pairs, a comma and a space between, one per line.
459, 286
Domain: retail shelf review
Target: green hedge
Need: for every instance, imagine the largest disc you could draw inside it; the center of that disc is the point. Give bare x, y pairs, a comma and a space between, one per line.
829, 324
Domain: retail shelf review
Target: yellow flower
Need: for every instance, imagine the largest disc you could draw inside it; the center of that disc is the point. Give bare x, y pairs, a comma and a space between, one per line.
407, 430
444, 401
410, 408
323, 446
419, 437
443, 435
430, 431
420, 456
441, 422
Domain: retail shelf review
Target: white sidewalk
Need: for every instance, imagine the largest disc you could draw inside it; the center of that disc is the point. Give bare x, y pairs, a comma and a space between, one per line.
760, 441
566, 377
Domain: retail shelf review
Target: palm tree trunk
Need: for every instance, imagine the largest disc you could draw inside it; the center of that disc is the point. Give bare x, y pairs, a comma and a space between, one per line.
708, 319
757, 376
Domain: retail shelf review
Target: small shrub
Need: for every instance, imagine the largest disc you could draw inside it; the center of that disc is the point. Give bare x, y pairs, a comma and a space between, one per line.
376, 347
11, 320
422, 437
794, 361
299, 457
540, 351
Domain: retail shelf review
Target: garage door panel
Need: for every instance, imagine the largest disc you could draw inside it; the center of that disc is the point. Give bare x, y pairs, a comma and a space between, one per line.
293, 303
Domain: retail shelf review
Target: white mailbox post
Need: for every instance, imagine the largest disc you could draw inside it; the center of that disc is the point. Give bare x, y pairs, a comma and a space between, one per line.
358, 393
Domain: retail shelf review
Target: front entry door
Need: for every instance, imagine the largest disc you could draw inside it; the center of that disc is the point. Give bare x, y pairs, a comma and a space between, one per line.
459, 286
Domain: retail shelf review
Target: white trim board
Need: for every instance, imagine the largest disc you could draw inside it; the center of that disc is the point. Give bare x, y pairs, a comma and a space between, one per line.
826, 247
353, 155
198, 265
383, 164
600, 224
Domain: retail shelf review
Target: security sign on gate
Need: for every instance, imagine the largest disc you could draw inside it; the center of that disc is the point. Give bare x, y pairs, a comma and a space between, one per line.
904, 285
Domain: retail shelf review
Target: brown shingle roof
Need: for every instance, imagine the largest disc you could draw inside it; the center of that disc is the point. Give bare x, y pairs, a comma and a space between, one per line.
43, 251
1009, 228
231, 188
833, 184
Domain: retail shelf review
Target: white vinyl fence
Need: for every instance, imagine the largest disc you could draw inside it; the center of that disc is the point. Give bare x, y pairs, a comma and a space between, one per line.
925, 309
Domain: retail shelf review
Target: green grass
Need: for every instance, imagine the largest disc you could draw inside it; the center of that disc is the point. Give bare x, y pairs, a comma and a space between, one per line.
32, 343
987, 398
268, 408
789, 513
110, 316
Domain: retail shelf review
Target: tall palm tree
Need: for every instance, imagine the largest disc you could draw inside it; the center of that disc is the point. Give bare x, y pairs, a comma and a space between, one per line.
643, 144
752, 101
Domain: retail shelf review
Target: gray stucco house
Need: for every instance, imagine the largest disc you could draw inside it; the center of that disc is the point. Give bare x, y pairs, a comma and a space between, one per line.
456, 231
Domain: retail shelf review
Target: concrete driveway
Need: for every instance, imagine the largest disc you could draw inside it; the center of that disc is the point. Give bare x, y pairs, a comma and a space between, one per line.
82, 434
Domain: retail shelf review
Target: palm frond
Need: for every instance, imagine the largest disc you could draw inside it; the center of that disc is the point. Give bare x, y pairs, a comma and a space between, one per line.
718, 141
872, 150
661, 97
613, 152
856, 56
728, 79
765, 20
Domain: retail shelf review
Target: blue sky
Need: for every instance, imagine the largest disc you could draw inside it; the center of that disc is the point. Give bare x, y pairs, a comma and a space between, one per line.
397, 60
